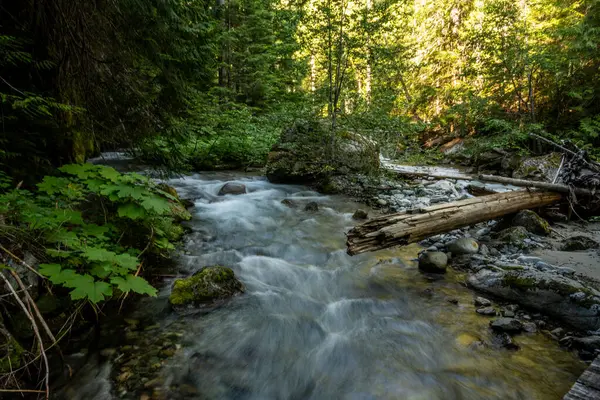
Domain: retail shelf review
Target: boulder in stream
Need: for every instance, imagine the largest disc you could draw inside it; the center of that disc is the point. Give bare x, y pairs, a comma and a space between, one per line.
232, 188
463, 246
360, 214
206, 289
433, 262
560, 296
312, 207
509, 325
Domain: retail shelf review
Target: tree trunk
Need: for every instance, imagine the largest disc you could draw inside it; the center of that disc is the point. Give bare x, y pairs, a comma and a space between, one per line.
416, 225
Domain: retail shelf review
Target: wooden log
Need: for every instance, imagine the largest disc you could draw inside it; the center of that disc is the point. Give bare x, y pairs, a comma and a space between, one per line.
415, 225
506, 181
587, 386
540, 185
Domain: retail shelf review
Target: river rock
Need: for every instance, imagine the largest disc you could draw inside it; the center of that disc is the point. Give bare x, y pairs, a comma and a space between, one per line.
543, 291
482, 302
514, 236
463, 246
232, 188
589, 343
532, 222
489, 311
205, 289
433, 262
289, 203
312, 207
503, 339
360, 214
577, 243
506, 325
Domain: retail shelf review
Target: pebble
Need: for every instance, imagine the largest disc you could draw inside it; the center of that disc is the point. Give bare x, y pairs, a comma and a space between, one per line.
566, 271
484, 250
528, 259
506, 325
489, 311
508, 313
382, 202
529, 327
558, 332
578, 296
482, 302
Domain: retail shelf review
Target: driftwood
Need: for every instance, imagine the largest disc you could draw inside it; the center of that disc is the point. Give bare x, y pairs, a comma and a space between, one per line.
535, 184
415, 225
587, 386
555, 187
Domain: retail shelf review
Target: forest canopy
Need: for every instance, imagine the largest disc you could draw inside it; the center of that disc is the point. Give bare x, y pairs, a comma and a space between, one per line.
202, 84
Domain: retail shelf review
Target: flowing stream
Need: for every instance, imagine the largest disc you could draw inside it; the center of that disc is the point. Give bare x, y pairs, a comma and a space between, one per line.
315, 323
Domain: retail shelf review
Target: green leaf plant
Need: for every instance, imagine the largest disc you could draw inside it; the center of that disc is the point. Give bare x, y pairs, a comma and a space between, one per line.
96, 226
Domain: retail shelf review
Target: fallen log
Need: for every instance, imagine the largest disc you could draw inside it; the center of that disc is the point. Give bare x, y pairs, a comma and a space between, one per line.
555, 187
536, 184
415, 225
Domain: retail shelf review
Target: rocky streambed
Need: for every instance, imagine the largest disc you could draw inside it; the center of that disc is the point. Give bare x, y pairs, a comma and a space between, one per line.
302, 319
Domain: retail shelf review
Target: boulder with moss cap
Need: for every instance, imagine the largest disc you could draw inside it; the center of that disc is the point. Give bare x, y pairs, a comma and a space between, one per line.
206, 289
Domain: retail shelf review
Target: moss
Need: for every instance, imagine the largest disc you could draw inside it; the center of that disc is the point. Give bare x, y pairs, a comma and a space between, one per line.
11, 351
514, 235
212, 283
518, 282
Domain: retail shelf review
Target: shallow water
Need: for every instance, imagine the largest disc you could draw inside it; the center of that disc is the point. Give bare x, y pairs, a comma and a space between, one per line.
315, 323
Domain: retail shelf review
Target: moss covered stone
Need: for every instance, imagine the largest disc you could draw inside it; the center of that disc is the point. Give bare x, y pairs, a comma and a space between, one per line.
205, 289
532, 222
514, 235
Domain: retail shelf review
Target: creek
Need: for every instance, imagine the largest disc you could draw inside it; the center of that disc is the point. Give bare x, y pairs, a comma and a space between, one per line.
315, 323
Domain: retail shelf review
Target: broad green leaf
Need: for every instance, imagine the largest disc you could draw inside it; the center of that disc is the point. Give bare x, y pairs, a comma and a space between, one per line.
85, 287
135, 284
52, 185
82, 171
131, 211
110, 173
126, 261
51, 271
156, 204
98, 254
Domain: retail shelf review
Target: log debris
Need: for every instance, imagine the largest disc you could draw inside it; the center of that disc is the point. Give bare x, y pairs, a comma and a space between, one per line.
415, 225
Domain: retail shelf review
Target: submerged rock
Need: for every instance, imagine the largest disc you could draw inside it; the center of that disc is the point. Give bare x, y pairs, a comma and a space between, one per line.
463, 246
312, 206
205, 289
433, 262
506, 325
577, 243
532, 222
360, 214
232, 188
289, 203
543, 291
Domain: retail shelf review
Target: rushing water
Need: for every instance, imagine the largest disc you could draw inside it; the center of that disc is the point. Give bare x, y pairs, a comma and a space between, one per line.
315, 323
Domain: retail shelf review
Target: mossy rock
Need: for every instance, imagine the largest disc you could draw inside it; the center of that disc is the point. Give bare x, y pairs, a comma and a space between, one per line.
532, 222
168, 189
542, 168
514, 235
10, 354
206, 289
578, 243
